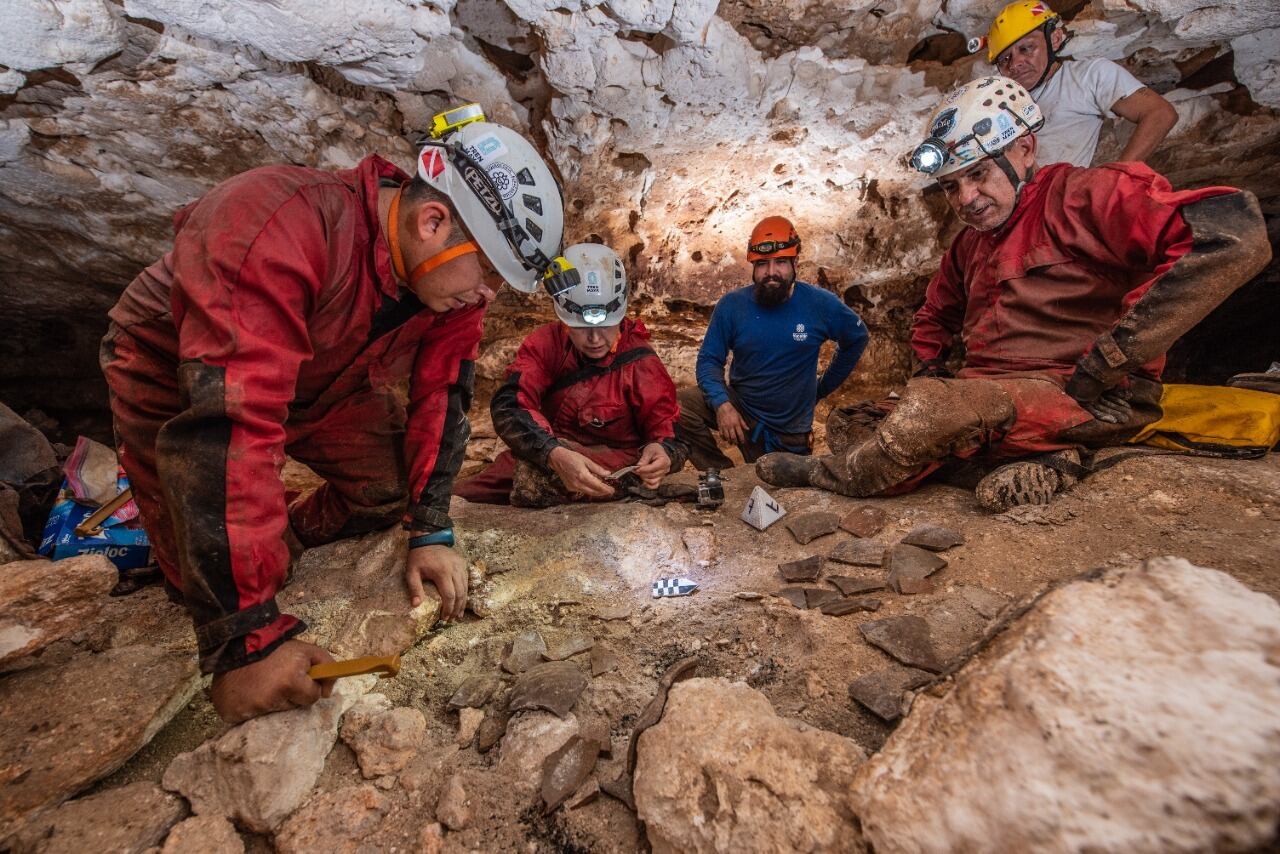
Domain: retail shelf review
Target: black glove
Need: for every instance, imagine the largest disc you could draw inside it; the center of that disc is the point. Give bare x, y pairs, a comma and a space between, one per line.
1112, 408
932, 368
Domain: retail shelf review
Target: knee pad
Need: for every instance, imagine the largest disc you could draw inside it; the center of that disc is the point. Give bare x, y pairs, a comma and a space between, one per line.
936, 417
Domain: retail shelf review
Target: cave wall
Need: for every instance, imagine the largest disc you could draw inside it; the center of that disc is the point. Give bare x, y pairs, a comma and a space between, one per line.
675, 124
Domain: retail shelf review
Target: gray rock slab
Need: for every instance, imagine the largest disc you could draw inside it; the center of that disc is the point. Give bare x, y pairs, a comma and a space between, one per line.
905, 638
807, 527
859, 552
554, 686
42, 601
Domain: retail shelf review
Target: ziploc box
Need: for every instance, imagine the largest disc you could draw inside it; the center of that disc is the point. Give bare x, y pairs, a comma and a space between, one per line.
124, 543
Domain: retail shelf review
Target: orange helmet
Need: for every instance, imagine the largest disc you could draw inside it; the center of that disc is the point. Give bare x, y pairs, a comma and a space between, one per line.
773, 237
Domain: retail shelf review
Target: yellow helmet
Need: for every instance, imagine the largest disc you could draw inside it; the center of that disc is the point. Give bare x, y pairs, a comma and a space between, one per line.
1015, 21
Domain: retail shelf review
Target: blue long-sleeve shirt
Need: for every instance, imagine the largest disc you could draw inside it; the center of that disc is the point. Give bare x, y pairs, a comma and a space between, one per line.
775, 354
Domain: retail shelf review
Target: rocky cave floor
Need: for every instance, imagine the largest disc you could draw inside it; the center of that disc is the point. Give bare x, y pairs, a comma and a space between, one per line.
585, 572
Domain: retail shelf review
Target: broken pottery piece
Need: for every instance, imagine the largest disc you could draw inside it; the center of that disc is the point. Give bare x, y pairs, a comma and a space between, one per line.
586, 794
913, 586
568, 647
598, 731
794, 595
859, 552
935, 538
805, 569
843, 607
748, 595
762, 510
906, 639
864, 521
492, 729
566, 770
882, 691
602, 661
809, 526
849, 585
816, 597
474, 692
621, 788
554, 686
988, 603
612, 612
526, 651
908, 566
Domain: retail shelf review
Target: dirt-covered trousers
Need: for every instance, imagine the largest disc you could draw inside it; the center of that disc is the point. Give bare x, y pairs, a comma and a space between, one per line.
493, 484
938, 419
356, 445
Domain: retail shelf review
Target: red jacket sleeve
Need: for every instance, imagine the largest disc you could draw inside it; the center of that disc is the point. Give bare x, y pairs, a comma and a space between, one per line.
245, 276
941, 317
437, 429
517, 406
652, 396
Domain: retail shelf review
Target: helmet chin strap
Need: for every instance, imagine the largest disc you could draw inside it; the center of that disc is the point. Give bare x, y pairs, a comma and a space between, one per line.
1048, 29
1012, 174
444, 256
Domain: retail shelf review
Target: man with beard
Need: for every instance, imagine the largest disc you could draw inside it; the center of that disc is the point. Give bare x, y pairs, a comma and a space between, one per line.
1067, 289
774, 328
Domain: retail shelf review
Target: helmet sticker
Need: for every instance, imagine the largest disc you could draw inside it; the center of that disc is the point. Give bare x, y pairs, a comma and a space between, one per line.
504, 179
944, 123
432, 161
593, 284
485, 148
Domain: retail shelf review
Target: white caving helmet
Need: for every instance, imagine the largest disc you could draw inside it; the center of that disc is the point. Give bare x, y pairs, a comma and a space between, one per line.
501, 187
589, 287
979, 119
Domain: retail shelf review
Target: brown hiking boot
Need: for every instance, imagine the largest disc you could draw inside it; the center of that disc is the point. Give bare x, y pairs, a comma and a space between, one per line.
783, 469
1029, 481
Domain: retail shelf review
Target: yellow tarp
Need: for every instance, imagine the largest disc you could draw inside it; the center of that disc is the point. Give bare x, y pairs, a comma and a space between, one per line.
1199, 417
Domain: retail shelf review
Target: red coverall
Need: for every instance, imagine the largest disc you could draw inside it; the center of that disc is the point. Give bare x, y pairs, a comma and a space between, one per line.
274, 326
554, 395
1081, 247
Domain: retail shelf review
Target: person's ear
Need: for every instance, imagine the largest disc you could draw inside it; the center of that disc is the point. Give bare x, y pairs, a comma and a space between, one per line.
432, 222
1059, 37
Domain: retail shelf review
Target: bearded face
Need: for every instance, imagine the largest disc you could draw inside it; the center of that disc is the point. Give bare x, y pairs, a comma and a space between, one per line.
774, 279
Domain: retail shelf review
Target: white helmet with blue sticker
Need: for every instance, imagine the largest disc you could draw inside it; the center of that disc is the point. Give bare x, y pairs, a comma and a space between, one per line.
977, 120
592, 292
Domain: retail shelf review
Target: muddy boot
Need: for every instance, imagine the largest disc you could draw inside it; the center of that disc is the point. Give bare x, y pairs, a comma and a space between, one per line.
783, 469
868, 469
1032, 481
532, 487
849, 425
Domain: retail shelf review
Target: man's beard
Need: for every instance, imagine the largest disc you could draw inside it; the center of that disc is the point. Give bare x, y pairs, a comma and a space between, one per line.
772, 291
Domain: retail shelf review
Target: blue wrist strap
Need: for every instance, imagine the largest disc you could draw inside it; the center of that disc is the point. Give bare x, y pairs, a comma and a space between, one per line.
438, 538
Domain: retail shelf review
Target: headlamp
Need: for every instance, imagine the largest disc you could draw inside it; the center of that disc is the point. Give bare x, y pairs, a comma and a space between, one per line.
594, 315
976, 44
768, 247
560, 276
929, 156
450, 120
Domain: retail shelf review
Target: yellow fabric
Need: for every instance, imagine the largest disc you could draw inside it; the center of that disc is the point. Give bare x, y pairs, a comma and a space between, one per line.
1014, 22
1214, 415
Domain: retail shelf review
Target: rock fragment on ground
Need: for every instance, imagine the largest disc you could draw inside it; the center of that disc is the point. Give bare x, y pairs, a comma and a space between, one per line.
955, 627
805, 569
451, 809
697, 789
794, 595
529, 740
849, 585
816, 597
909, 568
700, 542
130, 819
431, 839
203, 834
474, 692
259, 772
603, 660
492, 729
853, 605
859, 552
526, 650
620, 788
384, 739
935, 538
568, 647
807, 527
587, 793
988, 603
42, 601
553, 686
564, 771
906, 638
1144, 699
340, 821
64, 726
469, 721
882, 691
864, 521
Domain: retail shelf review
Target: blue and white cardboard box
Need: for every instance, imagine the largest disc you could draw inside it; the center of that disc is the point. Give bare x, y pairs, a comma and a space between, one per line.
124, 543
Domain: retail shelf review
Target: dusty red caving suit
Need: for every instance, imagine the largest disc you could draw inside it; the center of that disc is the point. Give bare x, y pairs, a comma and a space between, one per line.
553, 395
275, 325
1030, 298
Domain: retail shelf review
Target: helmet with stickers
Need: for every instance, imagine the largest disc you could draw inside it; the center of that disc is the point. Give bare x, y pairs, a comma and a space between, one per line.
591, 287
977, 120
503, 191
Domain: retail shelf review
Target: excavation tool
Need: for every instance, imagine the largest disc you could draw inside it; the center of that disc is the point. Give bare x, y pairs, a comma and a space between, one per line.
620, 473
92, 524
385, 666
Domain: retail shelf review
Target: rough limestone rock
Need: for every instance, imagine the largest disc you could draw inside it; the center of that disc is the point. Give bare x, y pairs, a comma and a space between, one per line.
129, 820
384, 739
530, 738
203, 834
257, 773
451, 809
339, 821
1130, 711
723, 772
43, 601
63, 727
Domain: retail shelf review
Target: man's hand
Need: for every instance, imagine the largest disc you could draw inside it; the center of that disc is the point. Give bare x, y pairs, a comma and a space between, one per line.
730, 424
653, 465
1112, 407
579, 474
444, 568
273, 684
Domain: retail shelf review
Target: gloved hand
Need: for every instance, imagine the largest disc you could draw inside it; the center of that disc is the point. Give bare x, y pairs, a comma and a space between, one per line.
1112, 408
932, 368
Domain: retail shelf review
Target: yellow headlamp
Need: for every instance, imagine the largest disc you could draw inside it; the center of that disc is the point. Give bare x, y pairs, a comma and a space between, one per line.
451, 120
560, 276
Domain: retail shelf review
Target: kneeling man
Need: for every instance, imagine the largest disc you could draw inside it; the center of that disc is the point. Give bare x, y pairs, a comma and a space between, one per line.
1067, 288
585, 396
